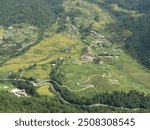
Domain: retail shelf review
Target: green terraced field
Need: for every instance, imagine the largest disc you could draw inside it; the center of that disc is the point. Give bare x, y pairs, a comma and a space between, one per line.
44, 90
6, 86
41, 54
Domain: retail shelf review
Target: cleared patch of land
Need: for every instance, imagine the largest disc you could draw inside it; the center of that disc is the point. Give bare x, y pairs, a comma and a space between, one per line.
6, 86
2, 31
124, 75
44, 90
131, 74
133, 13
88, 77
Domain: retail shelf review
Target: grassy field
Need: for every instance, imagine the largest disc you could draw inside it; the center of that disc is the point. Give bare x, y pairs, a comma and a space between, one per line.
6, 86
131, 74
88, 93
39, 72
44, 90
87, 79
2, 31
133, 13
76, 73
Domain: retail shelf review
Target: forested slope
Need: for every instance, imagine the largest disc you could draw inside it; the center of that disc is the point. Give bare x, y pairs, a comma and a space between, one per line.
141, 5
133, 15
138, 45
37, 12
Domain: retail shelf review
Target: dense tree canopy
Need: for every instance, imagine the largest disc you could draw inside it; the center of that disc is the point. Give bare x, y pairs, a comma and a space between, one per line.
37, 12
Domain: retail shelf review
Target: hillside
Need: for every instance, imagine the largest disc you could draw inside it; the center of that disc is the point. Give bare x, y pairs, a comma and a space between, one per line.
139, 44
74, 56
45, 12
132, 15
36, 12
22, 23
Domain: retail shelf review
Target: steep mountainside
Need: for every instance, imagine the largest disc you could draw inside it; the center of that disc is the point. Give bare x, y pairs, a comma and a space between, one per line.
37, 12
133, 15
139, 44
22, 23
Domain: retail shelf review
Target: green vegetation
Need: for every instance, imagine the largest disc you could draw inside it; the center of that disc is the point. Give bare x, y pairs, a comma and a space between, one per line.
123, 75
131, 12
104, 96
132, 4
16, 39
137, 45
45, 90
131, 74
6, 86
29, 88
81, 77
11, 103
74, 56
134, 16
132, 99
35, 12
42, 54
